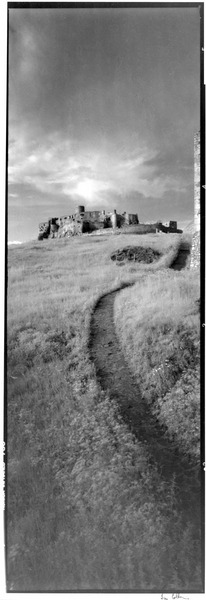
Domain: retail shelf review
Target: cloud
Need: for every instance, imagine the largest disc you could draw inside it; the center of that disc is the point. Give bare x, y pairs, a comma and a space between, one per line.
103, 106
63, 167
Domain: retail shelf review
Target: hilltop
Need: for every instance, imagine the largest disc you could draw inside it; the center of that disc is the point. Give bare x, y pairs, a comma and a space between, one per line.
87, 507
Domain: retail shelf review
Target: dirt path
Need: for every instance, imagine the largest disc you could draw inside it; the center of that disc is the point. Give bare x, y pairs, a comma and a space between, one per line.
114, 376
181, 259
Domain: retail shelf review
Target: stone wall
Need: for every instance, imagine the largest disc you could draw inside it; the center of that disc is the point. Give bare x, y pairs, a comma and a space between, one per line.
70, 227
142, 228
195, 252
43, 230
197, 182
168, 229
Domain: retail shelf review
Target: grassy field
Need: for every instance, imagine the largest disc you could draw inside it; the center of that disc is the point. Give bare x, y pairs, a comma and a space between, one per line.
158, 325
84, 508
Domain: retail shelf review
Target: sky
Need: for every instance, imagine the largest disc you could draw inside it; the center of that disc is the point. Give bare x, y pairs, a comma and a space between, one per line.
103, 105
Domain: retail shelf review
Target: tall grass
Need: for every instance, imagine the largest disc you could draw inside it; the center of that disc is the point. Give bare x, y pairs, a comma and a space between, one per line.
157, 323
84, 508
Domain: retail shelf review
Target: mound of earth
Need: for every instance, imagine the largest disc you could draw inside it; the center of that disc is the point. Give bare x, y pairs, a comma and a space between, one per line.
136, 253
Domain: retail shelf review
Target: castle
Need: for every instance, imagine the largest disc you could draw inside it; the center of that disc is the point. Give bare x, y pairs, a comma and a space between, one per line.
90, 221
84, 222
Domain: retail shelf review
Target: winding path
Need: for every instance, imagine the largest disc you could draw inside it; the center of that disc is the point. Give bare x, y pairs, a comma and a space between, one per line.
181, 259
114, 376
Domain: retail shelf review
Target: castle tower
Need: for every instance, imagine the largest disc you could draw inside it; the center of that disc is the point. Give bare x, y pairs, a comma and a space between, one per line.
114, 219
195, 252
79, 210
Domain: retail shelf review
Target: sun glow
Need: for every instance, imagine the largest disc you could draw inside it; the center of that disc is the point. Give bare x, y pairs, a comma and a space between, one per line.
86, 189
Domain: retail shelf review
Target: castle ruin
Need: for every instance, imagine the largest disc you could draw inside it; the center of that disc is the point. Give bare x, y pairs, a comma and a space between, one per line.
90, 221
84, 222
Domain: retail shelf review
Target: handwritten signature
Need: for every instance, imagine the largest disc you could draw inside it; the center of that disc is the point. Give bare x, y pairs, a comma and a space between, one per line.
173, 597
